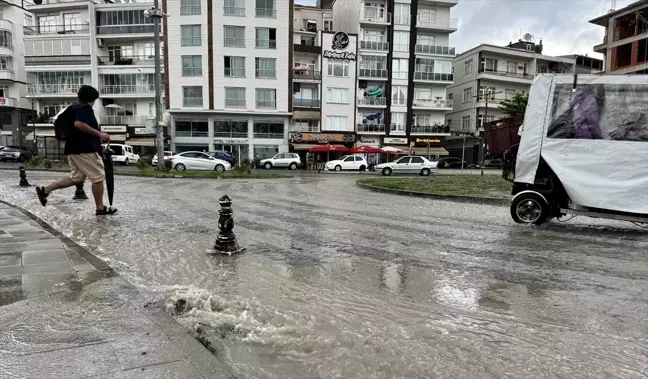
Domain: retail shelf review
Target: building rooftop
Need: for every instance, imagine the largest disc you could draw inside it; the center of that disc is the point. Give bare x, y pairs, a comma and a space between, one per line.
602, 20
514, 51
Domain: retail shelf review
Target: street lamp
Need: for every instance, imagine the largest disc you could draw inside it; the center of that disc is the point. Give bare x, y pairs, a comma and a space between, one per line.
156, 14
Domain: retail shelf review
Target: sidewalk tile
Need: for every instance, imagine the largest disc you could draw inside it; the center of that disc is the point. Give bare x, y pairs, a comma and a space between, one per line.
175, 370
10, 259
32, 257
145, 350
45, 284
200, 357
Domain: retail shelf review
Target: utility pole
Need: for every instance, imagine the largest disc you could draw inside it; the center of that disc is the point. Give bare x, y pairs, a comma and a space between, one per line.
482, 143
156, 14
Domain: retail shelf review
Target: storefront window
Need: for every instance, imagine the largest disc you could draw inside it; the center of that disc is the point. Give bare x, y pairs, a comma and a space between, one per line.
231, 129
183, 148
240, 152
266, 151
191, 129
266, 129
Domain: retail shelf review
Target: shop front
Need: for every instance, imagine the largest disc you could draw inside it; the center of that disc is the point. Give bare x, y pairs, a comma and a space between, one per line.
429, 147
302, 142
238, 147
142, 139
117, 133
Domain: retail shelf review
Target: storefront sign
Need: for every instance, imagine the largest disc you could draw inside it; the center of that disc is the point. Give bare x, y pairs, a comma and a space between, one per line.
113, 129
140, 131
322, 137
340, 42
431, 141
231, 141
395, 141
344, 55
375, 141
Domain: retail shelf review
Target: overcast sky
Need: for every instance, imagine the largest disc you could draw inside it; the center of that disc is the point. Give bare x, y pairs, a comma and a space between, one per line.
562, 24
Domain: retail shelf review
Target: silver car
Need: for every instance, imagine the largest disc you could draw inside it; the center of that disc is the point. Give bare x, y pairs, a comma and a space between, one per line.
408, 165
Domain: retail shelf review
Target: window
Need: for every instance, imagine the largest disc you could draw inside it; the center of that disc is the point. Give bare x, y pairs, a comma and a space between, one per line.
5, 39
400, 67
488, 64
29, 20
328, 25
73, 21
417, 160
401, 41
48, 24
398, 122
266, 68
422, 94
336, 123
450, 96
372, 62
234, 8
467, 95
486, 93
399, 95
338, 95
192, 96
189, 7
266, 38
405, 160
266, 8
373, 35
230, 128
509, 93
235, 97
116, 53
422, 39
190, 35
4, 91
488, 119
511, 67
5, 62
234, 36
146, 50
441, 66
465, 123
401, 14
266, 98
338, 68
234, 67
468, 67
265, 151
191, 65
270, 129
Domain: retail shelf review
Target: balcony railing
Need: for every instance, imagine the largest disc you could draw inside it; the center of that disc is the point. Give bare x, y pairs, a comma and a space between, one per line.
235, 72
372, 101
375, 17
299, 102
373, 73
126, 29
521, 75
430, 129
190, 10
373, 45
126, 89
136, 60
432, 103
190, 41
266, 74
124, 120
53, 89
57, 29
266, 13
234, 11
234, 42
7, 73
307, 75
306, 128
370, 128
266, 104
266, 44
8, 102
433, 76
268, 135
234, 102
424, 21
432, 49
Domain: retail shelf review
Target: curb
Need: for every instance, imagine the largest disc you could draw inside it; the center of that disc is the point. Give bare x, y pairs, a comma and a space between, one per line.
436, 196
161, 176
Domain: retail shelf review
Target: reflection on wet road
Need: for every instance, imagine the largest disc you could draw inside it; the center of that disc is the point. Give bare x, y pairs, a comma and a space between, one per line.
338, 282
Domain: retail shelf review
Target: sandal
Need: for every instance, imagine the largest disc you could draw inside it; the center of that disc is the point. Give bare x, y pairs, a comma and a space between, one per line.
106, 211
42, 196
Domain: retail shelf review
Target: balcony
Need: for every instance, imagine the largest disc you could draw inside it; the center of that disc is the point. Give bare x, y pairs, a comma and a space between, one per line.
49, 29
266, 44
266, 13
433, 77
8, 102
6, 25
520, 77
370, 102
124, 120
434, 104
136, 60
436, 24
108, 30
234, 11
374, 46
266, 104
307, 47
375, 17
266, 74
435, 50
113, 90
7, 74
299, 102
602, 47
370, 128
314, 128
430, 129
370, 73
306, 75
65, 60
62, 90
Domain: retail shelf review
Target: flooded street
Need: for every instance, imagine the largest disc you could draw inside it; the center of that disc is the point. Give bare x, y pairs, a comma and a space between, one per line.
339, 282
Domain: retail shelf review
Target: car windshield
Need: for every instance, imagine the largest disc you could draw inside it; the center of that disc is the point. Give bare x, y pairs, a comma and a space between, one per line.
117, 150
343, 157
9, 150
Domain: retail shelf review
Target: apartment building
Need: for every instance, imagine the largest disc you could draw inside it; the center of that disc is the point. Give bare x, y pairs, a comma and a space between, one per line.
584, 64
14, 106
228, 86
404, 64
486, 75
625, 44
107, 45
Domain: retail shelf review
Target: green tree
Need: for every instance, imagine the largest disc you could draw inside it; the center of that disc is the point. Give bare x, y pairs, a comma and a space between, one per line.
516, 106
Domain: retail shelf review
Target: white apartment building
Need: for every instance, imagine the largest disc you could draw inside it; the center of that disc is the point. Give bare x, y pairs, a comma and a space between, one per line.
14, 106
228, 82
107, 45
487, 74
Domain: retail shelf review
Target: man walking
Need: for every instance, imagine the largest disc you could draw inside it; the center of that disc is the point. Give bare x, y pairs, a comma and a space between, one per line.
83, 149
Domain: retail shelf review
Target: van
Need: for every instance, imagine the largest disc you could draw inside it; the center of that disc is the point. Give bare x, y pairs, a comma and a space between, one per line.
123, 154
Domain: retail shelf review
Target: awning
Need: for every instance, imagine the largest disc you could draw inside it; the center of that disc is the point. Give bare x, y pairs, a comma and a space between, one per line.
303, 146
141, 142
433, 151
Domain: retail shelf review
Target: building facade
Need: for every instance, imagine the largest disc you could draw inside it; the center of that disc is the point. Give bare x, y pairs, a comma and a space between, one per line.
226, 85
625, 44
15, 109
109, 46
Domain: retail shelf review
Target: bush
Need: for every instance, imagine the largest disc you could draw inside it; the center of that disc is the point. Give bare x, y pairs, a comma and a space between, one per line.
243, 169
48, 163
167, 165
142, 164
34, 161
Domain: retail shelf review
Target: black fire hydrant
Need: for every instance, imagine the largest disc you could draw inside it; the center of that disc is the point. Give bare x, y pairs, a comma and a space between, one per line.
79, 193
226, 240
23, 177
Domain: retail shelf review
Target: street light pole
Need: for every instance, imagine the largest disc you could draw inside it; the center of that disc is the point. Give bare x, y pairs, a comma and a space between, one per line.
156, 14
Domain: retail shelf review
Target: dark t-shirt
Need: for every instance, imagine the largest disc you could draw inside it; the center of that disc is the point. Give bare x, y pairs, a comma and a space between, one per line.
79, 142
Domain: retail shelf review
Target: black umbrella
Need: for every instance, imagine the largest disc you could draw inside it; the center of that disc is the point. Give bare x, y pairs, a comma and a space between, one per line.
110, 173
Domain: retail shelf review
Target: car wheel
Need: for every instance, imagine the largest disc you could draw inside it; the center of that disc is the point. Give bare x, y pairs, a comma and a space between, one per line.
219, 168
293, 166
180, 167
425, 172
267, 165
386, 171
529, 208
338, 168
363, 168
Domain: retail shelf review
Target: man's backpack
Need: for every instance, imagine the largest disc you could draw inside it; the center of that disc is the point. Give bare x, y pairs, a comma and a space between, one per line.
65, 121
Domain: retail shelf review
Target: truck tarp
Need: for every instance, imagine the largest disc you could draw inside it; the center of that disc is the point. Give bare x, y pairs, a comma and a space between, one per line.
502, 134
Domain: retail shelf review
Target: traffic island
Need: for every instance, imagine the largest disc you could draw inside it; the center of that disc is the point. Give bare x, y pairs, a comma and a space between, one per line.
486, 189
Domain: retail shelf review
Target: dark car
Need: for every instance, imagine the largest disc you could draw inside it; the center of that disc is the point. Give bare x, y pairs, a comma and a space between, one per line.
224, 155
16, 154
450, 162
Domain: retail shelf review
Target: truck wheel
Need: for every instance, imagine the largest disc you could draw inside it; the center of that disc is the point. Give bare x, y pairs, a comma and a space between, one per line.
529, 208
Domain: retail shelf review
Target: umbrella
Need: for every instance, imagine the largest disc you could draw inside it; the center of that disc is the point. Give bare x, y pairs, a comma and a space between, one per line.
393, 150
110, 175
329, 148
367, 150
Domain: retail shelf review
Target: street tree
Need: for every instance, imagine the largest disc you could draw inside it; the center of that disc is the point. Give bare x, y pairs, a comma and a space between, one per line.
515, 106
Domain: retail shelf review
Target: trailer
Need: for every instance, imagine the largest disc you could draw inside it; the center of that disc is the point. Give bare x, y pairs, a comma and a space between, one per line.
502, 134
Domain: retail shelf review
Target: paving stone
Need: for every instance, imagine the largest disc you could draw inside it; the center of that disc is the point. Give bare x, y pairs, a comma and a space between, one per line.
175, 370
48, 244
32, 257
145, 350
47, 283
10, 289
11, 259
200, 357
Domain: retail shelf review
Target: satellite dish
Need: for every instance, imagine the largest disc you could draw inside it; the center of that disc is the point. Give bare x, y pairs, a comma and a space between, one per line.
528, 37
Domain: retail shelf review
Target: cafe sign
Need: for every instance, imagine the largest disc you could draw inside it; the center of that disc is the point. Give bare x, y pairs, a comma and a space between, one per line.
340, 42
113, 129
428, 141
395, 141
322, 137
231, 141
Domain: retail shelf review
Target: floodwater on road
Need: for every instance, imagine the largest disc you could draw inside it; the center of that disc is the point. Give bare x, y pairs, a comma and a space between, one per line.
338, 282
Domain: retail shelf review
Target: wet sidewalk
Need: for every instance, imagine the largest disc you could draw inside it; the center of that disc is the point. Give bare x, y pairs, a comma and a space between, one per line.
65, 314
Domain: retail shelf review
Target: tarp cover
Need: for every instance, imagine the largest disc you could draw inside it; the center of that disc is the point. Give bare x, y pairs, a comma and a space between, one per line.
595, 138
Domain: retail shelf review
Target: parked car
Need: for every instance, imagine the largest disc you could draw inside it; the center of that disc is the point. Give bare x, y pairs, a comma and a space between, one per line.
123, 154
224, 155
347, 162
167, 154
450, 162
408, 165
289, 160
16, 154
196, 160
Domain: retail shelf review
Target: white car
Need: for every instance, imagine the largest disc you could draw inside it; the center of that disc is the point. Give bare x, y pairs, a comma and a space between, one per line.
167, 154
289, 160
409, 165
123, 154
347, 162
196, 160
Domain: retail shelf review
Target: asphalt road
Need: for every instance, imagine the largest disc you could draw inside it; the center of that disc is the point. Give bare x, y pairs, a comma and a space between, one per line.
338, 282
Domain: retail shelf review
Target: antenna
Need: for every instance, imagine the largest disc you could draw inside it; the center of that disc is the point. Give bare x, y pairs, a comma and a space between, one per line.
528, 37
613, 7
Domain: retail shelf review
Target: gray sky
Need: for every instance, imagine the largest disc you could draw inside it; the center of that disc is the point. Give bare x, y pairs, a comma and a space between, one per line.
562, 24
